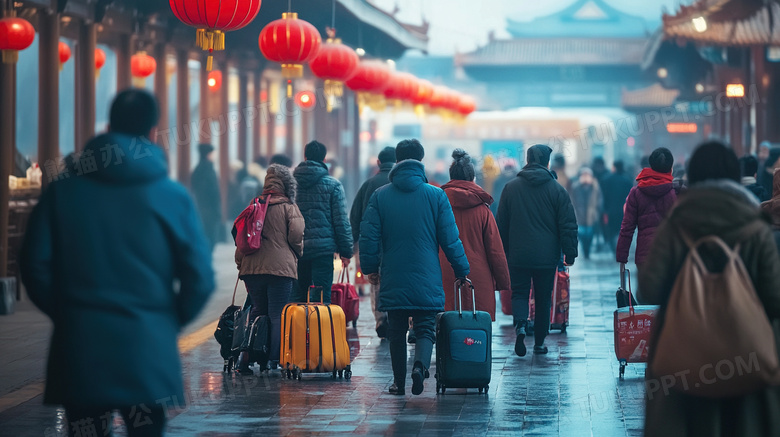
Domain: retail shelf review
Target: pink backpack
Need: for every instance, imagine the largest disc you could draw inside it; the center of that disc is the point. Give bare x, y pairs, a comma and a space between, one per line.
248, 226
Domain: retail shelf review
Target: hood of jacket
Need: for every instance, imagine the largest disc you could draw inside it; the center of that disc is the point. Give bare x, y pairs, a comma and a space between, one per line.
649, 177
720, 207
466, 194
281, 182
408, 175
123, 159
309, 173
536, 174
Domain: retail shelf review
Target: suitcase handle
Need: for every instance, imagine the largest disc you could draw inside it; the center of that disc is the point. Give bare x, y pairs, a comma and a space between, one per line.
458, 288
623, 276
322, 295
344, 277
233, 302
630, 294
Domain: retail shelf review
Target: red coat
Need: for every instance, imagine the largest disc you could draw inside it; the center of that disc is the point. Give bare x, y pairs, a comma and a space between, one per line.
482, 242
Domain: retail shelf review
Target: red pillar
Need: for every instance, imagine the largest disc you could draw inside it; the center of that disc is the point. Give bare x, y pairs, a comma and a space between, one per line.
124, 51
183, 131
7, 150
48, 91
224, 143
85, 88
162, 136
257, 122
243, 98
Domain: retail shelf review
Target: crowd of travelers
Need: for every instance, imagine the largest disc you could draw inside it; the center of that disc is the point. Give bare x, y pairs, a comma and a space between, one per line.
142, 266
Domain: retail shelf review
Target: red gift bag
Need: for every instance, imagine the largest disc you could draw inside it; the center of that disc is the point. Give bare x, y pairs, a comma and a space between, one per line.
346, 296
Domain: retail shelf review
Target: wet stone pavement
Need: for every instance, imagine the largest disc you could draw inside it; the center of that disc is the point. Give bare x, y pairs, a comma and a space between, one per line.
572, 391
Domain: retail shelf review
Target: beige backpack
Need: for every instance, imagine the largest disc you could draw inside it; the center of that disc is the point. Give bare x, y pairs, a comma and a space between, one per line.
716, 340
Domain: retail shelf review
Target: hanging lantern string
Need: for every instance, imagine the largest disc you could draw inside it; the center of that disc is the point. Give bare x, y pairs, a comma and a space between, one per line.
333, 16
289, 5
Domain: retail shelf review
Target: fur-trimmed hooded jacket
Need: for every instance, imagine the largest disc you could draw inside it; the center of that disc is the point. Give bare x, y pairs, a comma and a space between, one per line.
282, 231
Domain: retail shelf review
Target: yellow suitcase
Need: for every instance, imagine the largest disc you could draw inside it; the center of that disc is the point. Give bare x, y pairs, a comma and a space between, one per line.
314, 340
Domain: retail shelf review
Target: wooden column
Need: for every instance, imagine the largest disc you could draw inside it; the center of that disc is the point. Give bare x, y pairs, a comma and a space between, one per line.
7, 150
162, 136
124, 50
183, 132
356, 158
224, 140
48, 93
270, 134
243, 98
288, 111
205, 100
85, 87
257, 122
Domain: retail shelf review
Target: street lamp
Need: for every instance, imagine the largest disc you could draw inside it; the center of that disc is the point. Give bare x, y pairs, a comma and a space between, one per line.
700, 24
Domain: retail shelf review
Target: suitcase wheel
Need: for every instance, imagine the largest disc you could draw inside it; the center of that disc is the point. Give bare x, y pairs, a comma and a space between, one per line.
622, 370
354, 323
348, 373
563, 328
341, 374
334, 374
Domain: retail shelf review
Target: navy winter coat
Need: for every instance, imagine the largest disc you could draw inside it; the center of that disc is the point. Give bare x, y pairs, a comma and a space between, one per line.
100, 258
323, 205
405, 224
364, 195
536, 220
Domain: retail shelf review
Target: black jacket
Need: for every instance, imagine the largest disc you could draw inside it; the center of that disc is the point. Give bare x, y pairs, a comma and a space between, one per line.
615, 191
322, 203
759, 191
536, 220
364, 195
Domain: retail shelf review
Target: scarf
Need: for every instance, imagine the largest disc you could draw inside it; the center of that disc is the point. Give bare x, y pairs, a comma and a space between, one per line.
649, 178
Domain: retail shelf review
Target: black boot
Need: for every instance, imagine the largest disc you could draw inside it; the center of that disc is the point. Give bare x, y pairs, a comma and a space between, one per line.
520, 349
243, 364
418, 376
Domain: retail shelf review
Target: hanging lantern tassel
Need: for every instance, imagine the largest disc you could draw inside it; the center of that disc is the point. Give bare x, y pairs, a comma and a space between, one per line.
10, 56
419, 110
289, 89
211, 40
333, 90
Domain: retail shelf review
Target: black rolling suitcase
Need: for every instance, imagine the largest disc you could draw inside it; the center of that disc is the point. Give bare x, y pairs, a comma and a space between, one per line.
463, 347
253, 336
225, 330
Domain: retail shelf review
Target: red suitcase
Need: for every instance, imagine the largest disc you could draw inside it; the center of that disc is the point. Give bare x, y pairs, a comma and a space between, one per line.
633, 327
345, 295
559, 309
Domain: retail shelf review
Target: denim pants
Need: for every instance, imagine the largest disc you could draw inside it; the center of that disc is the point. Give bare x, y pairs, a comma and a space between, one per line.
269, 295
424, 329
585, 234
318, 272
543, 281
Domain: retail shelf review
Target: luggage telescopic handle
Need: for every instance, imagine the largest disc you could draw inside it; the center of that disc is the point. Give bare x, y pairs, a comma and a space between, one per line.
630, 294
233, 302
623, 276
322, 295
458, 288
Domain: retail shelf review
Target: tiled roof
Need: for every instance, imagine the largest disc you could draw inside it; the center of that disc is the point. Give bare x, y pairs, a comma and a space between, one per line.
558, 51
752, 29
655, 96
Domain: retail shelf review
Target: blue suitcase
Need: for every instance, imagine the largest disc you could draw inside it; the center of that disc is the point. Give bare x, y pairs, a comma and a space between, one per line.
463, 347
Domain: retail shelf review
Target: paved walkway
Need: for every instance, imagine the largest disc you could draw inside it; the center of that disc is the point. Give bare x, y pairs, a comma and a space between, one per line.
572, 391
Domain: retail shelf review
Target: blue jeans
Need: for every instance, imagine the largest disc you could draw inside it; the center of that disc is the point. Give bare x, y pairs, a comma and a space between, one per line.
424, 329
269, 295
585, 234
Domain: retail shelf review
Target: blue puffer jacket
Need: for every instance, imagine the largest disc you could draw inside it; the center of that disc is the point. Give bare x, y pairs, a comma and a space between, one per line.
100, 259
323, 205
405, 224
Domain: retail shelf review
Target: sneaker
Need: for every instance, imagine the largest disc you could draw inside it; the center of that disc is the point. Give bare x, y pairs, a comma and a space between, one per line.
381, 330
395, 390
418, 376
520, 345
541, 350
412, 338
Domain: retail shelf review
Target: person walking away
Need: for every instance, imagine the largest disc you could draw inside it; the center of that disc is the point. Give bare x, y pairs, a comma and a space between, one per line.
269, 273
559, 168
205, 189
282, 159
715, 205
537, 223
765, 176
772, 206
615, 191
404, 225
748, 166
322, 203
480, 238
647, 206
386, 162
587, 200
510, 171
108, 244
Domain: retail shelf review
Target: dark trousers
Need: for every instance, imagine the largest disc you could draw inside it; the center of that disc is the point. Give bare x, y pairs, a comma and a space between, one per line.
141, 421
424, 329
543, 281
585, 234
317, 272
269, 295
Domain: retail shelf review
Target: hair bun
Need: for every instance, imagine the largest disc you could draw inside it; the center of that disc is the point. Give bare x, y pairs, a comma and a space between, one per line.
460, 154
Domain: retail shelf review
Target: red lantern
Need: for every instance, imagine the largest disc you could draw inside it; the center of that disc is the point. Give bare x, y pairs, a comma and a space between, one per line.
370, 81
438, 96
15, 34
409, 87
100, 61
213, 18
335, 63
214, 80
141, 67
466, 105
291, 42
424, 92
64, 50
